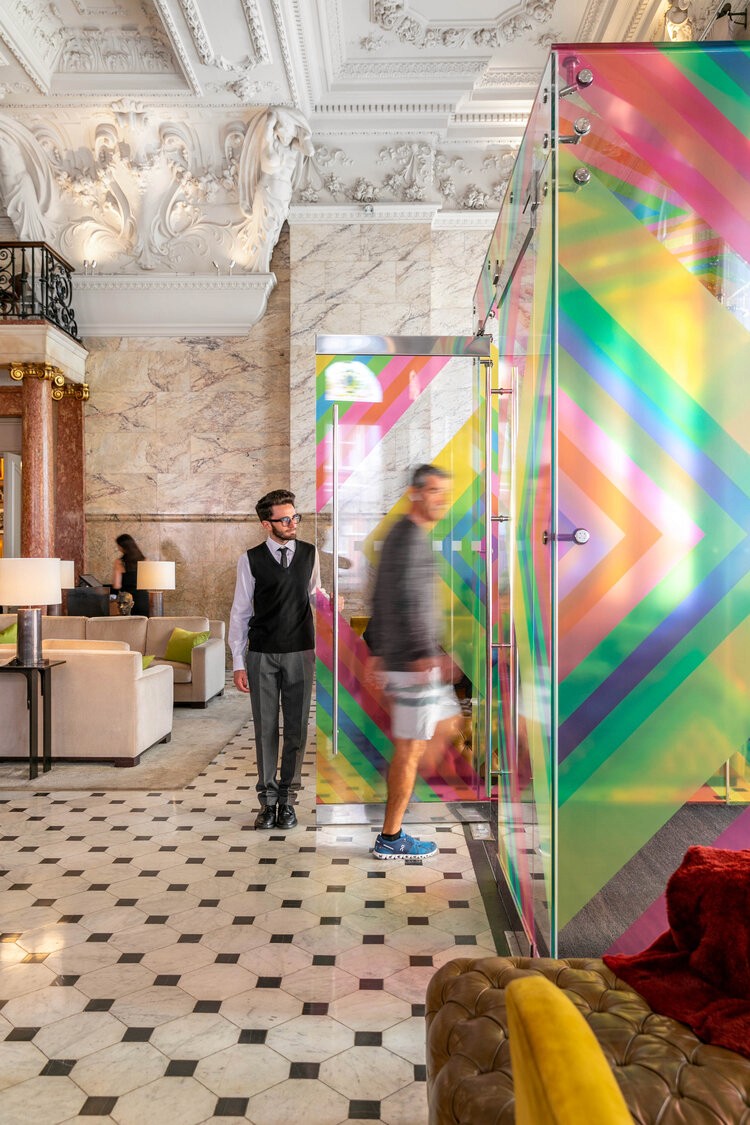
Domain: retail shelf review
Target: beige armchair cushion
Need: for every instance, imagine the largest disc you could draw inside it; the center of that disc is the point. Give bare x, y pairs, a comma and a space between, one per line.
70, 628
129, 629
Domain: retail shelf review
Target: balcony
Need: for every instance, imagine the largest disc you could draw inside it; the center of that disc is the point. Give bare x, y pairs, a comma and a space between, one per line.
35, 284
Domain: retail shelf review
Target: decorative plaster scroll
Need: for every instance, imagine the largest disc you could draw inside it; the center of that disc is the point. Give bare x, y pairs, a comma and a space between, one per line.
128, 51
414, 168
412, 27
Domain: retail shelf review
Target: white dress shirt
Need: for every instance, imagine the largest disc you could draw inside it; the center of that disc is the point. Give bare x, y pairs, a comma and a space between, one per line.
244, 593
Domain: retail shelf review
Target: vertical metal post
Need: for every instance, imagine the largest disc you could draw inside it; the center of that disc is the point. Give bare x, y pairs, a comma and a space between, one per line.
335, 583
489, 625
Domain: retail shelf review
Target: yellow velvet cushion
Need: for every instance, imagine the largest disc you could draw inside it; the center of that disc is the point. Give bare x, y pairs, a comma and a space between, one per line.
147, 660
10, 635
181, 644
560, 1074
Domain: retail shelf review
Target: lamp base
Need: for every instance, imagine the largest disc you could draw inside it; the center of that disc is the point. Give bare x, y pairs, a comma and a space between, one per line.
156, 603
29, 643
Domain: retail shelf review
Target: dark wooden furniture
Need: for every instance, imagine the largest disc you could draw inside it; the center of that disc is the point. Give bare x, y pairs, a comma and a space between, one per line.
40, 674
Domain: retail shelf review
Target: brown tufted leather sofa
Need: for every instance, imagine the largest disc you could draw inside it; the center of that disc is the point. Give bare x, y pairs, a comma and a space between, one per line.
667, 1075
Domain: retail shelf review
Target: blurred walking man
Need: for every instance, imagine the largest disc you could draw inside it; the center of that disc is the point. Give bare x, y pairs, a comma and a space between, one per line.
406, 645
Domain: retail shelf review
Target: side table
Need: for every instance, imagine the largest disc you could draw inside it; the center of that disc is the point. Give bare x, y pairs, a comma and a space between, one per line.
30, 672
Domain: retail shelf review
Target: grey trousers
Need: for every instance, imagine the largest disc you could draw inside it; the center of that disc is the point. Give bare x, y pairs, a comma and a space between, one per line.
285, 679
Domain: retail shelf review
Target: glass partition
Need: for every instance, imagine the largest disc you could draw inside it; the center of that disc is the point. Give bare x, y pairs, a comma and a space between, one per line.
626, 325
385, 405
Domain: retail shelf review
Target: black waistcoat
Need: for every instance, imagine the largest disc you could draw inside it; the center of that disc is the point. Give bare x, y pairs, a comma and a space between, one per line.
282, 618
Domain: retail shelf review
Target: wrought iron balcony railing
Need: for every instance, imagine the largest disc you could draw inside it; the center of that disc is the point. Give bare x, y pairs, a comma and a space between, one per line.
35, 282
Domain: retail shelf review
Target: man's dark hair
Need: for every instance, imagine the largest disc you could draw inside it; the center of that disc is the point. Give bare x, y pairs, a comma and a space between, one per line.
422, 472
265, 505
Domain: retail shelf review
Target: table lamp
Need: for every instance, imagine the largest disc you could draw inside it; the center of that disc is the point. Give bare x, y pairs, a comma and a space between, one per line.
29, 584
155, 575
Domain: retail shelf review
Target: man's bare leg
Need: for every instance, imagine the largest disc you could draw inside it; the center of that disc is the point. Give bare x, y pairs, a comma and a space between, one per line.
402, 774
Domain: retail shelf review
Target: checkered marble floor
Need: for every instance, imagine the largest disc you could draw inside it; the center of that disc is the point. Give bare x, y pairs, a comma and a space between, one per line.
162, 961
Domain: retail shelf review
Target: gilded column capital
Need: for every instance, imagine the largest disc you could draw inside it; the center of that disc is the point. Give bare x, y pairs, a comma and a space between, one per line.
77, 390
60, 386
48, 371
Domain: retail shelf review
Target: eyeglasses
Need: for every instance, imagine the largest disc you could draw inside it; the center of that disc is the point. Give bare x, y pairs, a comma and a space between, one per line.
287, 521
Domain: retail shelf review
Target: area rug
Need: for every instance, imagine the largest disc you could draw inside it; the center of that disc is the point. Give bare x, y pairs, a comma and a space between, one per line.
197, 737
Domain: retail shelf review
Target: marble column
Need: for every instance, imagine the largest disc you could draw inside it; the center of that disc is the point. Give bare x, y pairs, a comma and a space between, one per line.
37, 443
70, 524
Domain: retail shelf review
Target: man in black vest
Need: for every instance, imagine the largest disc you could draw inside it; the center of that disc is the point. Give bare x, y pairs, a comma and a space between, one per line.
272, 619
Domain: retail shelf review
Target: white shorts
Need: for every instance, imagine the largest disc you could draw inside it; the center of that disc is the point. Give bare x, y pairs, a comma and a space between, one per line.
418, 702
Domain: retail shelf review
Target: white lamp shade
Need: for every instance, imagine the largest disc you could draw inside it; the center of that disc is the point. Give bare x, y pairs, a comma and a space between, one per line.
67, 574
155, 574
28, 582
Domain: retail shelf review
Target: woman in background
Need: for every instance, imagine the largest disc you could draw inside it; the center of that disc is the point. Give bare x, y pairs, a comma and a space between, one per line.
124, 575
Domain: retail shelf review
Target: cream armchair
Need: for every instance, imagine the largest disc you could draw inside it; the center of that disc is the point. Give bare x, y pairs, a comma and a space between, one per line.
105, 707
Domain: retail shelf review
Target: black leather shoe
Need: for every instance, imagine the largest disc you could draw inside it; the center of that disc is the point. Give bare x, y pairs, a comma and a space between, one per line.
286, 816
266, 818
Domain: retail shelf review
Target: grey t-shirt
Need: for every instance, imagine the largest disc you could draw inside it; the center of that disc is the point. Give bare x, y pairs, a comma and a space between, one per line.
405, 620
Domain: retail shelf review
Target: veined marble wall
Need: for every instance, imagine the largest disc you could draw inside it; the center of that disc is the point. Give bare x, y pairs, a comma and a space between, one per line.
374, 278
182, 437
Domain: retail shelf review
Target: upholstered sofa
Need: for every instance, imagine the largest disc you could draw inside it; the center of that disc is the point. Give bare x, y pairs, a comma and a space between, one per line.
194, 684
105, 706
666, 1074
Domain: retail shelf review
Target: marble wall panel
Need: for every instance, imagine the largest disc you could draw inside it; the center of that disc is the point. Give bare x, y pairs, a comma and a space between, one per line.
124, 492
229, 453
115, 411
326, 243
365, 279
397, 242
126, 453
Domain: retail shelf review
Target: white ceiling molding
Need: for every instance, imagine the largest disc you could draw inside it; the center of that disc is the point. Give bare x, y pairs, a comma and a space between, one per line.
286, 54
198, 32
305, 214
261, 53
178, 46
465, 220
165, 305
410, 26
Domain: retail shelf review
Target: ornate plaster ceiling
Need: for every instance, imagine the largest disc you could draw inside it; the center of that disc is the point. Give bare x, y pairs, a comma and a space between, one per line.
349, 65
131, 115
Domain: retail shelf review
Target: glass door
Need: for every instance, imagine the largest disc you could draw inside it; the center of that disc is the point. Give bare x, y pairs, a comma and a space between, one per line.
384, 406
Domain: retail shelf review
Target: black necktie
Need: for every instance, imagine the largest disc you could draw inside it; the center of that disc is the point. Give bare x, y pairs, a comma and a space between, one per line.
283, 553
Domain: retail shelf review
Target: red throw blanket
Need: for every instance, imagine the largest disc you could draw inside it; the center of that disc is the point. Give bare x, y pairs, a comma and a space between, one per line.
698, 972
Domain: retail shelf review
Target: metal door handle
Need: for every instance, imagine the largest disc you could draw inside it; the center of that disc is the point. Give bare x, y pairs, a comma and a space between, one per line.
580, 536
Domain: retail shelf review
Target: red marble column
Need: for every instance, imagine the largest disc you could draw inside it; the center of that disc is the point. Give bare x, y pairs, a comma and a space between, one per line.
37, 485
70, 525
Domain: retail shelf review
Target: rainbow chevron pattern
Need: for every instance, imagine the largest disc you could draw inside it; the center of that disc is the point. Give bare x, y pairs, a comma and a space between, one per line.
642, 694
424, 412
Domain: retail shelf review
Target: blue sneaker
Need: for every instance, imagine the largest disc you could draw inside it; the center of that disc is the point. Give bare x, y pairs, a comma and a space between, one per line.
405, 847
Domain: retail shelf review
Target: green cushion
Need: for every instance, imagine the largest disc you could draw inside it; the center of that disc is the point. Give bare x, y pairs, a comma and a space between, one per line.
181, 644
147, 659
10, 635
